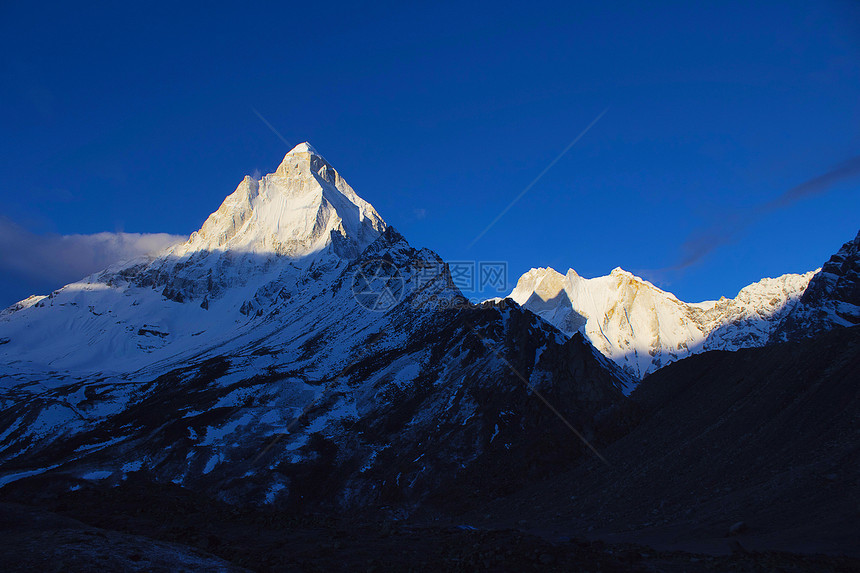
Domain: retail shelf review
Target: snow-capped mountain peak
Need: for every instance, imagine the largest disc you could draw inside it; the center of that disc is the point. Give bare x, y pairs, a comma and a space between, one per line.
300, 209
274, 239
303, 147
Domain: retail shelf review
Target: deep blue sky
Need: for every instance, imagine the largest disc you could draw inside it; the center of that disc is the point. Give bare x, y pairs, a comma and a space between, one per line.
138, 117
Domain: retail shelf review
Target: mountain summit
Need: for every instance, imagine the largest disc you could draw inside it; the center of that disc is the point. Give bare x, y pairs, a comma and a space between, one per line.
302, 208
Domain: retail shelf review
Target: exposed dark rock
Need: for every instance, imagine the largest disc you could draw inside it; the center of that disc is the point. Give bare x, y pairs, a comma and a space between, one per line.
832, 298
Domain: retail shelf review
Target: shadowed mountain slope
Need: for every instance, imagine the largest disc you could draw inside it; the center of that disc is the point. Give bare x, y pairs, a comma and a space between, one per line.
767, 436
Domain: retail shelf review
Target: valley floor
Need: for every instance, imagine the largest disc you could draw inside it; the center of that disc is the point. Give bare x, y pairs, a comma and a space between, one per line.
166, 528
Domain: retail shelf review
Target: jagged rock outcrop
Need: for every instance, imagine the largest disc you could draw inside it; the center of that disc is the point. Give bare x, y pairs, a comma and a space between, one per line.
831, 300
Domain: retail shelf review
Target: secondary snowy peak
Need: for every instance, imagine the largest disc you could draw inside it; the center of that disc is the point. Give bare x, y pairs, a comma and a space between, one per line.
643, 328
300, 209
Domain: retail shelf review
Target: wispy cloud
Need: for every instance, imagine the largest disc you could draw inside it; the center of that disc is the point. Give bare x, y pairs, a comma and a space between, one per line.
60, 259
704, 241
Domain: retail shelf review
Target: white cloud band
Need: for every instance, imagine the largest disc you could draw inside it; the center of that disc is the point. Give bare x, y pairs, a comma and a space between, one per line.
61, 259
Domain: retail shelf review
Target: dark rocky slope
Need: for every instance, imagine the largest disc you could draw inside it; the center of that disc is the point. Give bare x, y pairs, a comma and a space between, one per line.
766, 440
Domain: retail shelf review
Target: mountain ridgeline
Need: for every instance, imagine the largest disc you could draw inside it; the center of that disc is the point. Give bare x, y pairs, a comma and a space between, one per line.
643, 328
298, 352
291, 354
